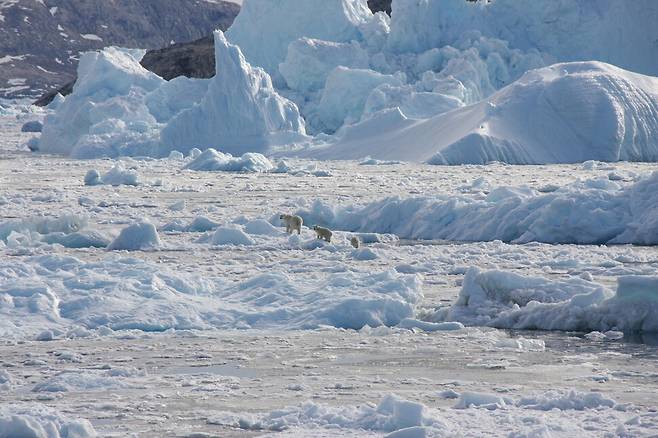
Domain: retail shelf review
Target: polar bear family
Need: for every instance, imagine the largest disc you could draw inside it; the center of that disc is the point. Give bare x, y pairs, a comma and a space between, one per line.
294, 223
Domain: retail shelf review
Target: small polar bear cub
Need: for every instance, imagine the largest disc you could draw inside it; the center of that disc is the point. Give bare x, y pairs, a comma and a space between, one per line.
323, 233
356, 242
293, 223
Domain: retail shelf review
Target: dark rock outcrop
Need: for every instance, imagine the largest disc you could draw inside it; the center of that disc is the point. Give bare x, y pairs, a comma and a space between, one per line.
380, 5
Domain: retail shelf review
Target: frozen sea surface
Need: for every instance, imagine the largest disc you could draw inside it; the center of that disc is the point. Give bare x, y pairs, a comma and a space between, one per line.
194, 338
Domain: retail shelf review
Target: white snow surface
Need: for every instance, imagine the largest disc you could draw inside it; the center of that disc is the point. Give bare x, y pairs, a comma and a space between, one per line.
197, 339
65, 294
38, 421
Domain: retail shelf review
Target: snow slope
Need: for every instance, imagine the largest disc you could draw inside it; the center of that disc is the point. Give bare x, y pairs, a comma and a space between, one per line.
564, 113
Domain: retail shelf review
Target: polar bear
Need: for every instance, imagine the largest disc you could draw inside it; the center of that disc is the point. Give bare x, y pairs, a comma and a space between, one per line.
293, 223
323, 233
356, 242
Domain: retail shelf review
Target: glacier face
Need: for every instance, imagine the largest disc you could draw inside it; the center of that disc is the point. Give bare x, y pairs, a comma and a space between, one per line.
447, 82
264, 28
611, 31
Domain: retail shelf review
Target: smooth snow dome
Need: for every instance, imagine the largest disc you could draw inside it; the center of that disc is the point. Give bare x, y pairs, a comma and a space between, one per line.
595, 211
231, 236
136, 237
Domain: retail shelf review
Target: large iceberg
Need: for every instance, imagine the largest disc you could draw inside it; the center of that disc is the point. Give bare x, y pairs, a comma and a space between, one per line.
622, 33
441, 81
565, 113
107, 113
241, 111
118, 108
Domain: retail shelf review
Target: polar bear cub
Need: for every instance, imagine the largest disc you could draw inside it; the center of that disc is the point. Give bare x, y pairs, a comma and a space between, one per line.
293, 223
356, 242
323, 233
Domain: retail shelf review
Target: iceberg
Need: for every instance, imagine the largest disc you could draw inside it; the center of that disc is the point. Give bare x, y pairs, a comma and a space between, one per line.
444, 82
241, 112
565, 113
282, 22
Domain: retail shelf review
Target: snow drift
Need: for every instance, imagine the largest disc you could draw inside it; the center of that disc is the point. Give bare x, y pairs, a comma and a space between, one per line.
595, 211
212, 160
70, 231
398, 417
507, 300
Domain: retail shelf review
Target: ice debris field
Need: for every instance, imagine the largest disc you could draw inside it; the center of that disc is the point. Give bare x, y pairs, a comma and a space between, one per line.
497, 173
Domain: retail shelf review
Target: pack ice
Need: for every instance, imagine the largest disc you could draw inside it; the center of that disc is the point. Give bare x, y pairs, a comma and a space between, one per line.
444, 82
507, 300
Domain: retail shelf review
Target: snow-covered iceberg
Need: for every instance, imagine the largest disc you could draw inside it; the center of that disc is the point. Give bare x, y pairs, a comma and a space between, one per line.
242, 112
118, 108
564, 113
